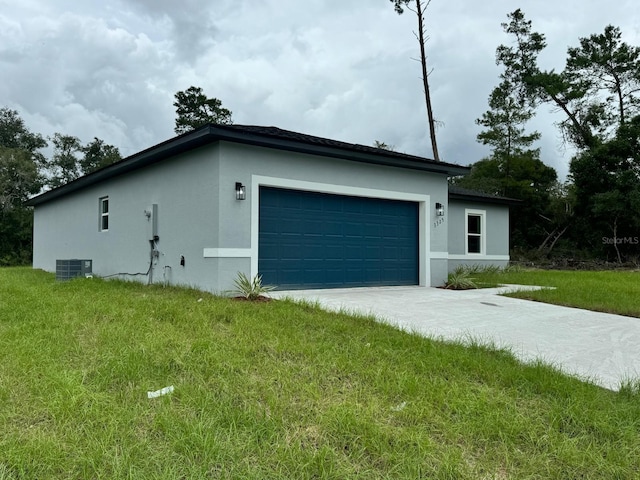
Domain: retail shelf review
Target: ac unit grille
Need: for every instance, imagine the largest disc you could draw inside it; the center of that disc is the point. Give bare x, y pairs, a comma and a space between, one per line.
68, 269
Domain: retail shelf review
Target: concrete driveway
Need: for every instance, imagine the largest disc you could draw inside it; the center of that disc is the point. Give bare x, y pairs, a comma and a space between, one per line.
599, 347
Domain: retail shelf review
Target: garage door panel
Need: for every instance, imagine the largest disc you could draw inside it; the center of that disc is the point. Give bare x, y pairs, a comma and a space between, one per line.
270, 252
373, 251
313, 227
334, 252
353, 252
316, 240
332, 227
352, 229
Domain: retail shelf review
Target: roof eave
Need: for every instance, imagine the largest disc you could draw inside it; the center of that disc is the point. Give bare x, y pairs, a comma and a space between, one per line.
210, 134
136, 161
480, 198
327, 151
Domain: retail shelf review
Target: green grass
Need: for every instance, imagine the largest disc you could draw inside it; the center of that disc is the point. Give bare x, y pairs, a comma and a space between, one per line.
602, 291
278, 390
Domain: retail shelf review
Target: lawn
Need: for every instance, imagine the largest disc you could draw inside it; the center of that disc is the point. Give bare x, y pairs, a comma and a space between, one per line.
278, 390
603, 291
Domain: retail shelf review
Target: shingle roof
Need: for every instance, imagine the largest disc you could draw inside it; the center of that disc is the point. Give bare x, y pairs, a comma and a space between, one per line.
276, 132
269, 137
459, 193
324, 145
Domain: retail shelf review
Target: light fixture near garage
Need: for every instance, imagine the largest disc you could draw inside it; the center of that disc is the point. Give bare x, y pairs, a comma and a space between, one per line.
241, 191
439, 210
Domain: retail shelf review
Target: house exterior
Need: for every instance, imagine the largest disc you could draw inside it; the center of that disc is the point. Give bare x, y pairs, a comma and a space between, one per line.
302, 211
478, 228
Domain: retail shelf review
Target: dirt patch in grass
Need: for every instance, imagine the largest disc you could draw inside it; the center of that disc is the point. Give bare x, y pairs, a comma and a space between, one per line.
261, 298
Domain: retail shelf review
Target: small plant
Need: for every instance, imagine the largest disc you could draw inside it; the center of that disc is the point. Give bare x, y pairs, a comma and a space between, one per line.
472, 269
477, 268
513, 268
251, 289
460, 279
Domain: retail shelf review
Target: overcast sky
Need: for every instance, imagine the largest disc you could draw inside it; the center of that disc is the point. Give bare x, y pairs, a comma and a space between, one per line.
340, 69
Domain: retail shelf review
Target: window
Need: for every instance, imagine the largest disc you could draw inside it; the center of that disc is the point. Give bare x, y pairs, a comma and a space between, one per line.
104, 214
475, 232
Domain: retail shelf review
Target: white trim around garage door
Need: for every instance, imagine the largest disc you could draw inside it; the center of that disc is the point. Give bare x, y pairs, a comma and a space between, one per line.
424, 215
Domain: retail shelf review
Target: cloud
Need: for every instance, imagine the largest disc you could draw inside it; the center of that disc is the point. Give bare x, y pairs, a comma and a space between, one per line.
84, 77
338, 69
190, 23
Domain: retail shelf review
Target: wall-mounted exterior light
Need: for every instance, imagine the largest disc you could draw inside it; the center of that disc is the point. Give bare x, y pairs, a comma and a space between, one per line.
241, 192
439, 210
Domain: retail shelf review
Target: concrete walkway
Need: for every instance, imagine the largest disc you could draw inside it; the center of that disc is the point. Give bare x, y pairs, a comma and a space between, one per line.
599, 347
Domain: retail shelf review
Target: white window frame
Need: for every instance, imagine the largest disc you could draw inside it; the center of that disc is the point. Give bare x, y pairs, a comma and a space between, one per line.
102, 214
483, 231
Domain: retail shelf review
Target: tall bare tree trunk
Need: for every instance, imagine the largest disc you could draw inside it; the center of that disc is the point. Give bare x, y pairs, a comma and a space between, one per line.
615, 239
425, 77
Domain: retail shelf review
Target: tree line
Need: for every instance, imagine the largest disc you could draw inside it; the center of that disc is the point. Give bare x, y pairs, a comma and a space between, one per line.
25, 171
596, 213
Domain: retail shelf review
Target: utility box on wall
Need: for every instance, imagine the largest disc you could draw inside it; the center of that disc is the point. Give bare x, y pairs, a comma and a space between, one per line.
152, 218
68, 269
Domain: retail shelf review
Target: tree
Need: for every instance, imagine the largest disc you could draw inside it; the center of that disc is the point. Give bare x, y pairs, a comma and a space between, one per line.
419, 10
383, 146
514, 168
607, 188
535, 86
64, 165
24, 171
97, 155
20, 163
16, 230
598, 94
485, 176
14, 134
194, 109
20, 160
609, 71
19, 178
601, 73
71, 159
530, 181
504, 127
559, 215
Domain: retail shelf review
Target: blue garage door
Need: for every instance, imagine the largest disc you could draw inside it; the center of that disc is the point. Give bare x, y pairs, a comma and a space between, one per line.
317, 240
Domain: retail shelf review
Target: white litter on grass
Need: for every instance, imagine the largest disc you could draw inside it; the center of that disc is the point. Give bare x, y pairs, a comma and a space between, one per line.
199, 300
399, 408
162, 391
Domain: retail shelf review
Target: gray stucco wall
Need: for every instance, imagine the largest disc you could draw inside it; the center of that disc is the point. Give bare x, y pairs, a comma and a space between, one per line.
184, 190
252, 167
199, 217
496, 238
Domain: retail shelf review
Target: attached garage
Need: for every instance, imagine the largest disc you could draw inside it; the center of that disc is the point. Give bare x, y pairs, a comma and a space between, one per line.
302, 211
320, 240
